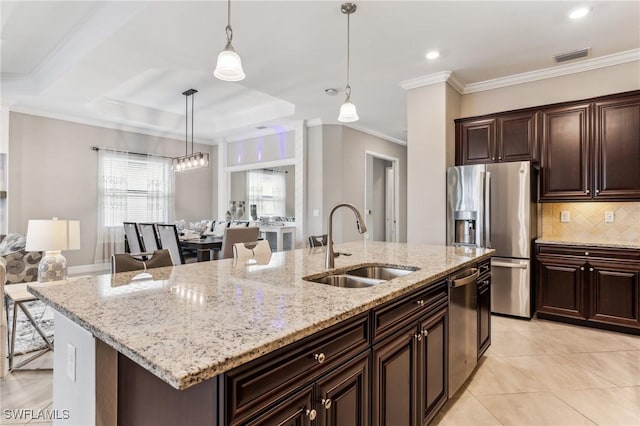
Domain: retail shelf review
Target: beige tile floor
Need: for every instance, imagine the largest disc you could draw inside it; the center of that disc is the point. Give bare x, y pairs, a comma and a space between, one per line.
547, 373
535, 373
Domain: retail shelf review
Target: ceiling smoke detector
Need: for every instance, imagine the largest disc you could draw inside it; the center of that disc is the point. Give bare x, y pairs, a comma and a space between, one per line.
574, 54
331, 91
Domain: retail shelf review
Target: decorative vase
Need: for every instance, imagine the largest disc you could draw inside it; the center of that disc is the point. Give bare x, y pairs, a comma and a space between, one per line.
227, 216
240, 210
254, 211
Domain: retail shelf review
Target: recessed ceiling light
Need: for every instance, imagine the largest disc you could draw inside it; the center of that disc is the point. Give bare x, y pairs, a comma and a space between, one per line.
579, 13
433, 54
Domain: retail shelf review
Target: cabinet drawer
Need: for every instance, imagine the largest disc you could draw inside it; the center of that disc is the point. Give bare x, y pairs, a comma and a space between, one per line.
590, 252
254, 386
393, 316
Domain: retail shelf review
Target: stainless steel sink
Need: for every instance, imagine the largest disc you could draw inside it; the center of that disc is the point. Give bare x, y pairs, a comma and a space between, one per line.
362, 277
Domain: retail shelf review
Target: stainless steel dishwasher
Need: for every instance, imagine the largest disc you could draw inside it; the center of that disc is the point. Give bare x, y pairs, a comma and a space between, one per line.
463, 327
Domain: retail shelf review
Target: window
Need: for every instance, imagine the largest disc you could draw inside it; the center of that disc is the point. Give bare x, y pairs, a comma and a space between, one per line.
131, 188
267, 190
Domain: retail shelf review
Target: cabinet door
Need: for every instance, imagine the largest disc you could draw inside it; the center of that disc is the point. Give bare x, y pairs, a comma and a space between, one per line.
343, 395
561, 287
432, 366
484, 315
297, 410
565, 172
615, 293
394, 379
476, 141
617, 148
517, 137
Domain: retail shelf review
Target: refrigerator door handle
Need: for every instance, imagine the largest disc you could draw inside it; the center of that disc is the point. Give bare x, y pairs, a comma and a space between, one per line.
487, 209
508, 265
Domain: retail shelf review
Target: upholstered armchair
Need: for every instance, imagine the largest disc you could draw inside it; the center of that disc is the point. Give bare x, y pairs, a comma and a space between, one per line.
21, 265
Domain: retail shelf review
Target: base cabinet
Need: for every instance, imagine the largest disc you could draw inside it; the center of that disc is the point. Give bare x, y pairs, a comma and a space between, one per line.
294, 411
599, 288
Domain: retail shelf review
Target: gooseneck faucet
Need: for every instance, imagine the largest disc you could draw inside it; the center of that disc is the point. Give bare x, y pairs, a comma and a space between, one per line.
362, 228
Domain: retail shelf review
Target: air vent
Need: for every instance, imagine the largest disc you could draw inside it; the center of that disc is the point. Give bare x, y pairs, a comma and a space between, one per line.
261, 127
574, 54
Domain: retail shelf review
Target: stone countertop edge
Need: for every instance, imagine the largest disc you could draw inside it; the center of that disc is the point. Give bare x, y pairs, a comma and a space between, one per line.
589, 244
236, 359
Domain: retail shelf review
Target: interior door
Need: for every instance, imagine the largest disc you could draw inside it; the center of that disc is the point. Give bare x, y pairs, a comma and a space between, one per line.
389, 203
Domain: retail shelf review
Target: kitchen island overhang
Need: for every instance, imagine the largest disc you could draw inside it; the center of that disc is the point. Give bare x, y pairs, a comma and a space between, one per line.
190, 323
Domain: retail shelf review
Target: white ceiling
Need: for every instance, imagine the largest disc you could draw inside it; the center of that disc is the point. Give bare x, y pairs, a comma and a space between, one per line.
127, 63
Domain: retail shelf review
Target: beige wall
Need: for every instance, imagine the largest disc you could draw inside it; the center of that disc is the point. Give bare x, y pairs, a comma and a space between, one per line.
583, 85
53, 172
587, 223
314, 181
344, 176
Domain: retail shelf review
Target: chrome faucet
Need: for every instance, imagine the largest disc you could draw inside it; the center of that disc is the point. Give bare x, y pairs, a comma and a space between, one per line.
362, 228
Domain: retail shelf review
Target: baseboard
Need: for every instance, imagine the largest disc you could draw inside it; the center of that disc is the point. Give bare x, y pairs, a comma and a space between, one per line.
92, 269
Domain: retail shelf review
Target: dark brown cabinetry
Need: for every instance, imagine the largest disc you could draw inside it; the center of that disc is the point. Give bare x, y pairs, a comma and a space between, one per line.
590, 286
410, 365
504, 137
484, 309
617, 148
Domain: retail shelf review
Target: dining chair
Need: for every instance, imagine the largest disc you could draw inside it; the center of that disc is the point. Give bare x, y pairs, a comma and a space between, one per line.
132, 233
149, 236
239, 224
317, 240
169, 240
236, 235
258, 251
124, 262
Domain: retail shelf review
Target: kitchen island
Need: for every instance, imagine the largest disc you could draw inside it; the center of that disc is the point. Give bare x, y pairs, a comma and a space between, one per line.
175, 337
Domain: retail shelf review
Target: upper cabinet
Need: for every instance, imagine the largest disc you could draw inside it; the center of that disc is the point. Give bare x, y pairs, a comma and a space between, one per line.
499, 138
617, 148
588, 150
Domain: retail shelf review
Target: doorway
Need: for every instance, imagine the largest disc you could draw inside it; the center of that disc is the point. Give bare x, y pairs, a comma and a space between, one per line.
381, 202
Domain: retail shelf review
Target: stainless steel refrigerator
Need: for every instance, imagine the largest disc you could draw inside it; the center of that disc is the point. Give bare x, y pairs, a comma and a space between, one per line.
494, 206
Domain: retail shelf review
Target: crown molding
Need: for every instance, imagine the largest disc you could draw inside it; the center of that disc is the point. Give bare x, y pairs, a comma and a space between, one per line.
376, 134
426, 80
314, 122
103, 124
557, 71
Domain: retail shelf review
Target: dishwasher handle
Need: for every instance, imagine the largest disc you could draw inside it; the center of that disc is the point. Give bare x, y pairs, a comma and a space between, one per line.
466, 279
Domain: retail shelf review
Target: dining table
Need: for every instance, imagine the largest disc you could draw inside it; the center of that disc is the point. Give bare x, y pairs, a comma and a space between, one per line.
203, 246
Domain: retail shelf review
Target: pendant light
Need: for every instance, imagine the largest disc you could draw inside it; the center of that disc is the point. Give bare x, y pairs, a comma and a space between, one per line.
348, 113
229, 66
195, 160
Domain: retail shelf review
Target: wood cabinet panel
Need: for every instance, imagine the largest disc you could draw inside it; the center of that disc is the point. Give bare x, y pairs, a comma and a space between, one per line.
477, 141
394, 380
432, 365
343, 396
615, 293
294, 411
517, 138
561, 286
617, 148
565, 145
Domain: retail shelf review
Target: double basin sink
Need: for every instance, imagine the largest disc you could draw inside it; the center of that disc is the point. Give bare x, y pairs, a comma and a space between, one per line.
362, 276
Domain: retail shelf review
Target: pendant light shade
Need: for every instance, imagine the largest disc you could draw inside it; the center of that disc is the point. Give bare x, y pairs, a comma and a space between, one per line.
348, 113
229, 65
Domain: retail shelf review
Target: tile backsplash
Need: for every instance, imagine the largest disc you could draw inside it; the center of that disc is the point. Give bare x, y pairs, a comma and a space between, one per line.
587, 223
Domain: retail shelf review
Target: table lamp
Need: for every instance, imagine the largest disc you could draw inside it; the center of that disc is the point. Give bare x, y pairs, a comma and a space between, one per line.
53, 236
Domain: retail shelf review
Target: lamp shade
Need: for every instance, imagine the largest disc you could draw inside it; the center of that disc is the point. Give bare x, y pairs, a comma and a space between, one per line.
229, 66
53, 235
348, 113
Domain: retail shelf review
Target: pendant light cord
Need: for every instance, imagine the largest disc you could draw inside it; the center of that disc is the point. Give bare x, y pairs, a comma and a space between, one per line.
192, 114
348, 88
228, 29
186, 124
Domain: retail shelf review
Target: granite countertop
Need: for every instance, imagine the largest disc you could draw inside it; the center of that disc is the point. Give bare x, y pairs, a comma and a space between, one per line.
188, 323
589, 243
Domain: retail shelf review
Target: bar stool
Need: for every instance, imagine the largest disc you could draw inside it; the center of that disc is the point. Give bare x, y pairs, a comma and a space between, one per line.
18, 294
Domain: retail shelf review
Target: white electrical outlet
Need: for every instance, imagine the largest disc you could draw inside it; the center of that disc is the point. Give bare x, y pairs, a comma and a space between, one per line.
71, 362
609, 217
565, 216
316, 212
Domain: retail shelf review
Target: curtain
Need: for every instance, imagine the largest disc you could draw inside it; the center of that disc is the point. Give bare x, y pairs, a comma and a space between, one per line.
131, 188
267, 190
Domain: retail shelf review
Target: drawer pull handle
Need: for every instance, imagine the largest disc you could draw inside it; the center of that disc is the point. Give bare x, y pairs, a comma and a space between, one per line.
586, 253
326, 403
312, 414
425, 332
582, 268
590, 269
319, 357
420, 302
418, 337
586, 191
